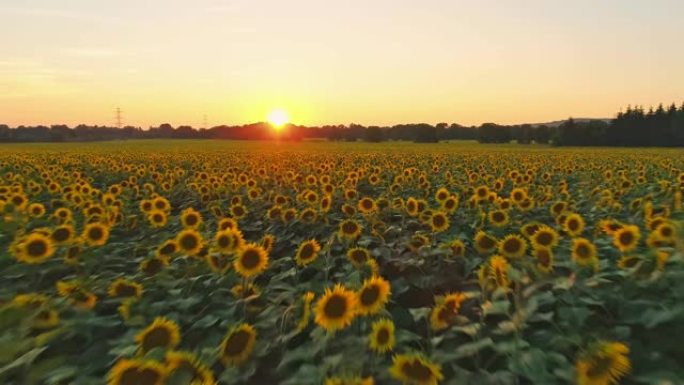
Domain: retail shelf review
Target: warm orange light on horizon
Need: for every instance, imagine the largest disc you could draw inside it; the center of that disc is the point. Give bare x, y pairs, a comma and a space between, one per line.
278, 118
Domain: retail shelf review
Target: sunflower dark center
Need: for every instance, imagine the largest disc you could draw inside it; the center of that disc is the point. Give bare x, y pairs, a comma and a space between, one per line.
544, 238
237, 343
383, 336
599, 367
417, 371
223, 241
147, 376
335, 307
126, 290
307, 251
512, 245
188, 242
37, 248
438, 220
583, 251
349, 227
370, 295
486, 242
626, 237
95, 233
250, 259
157, 337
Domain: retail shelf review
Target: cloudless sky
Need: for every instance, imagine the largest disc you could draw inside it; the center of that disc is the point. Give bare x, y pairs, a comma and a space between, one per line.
369, 62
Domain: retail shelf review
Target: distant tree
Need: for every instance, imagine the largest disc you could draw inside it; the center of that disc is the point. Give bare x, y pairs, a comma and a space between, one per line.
373, 134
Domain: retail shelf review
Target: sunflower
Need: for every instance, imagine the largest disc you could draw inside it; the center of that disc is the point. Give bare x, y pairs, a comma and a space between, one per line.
367, 205
528, 229
358, 256
513, 246
544, 237
381, 338
411, 207
574, 224
498, 218
349, 229
153, 265
167, 249
457, 248
415, 369
237, 345
251, 291
36, 210
189, 241
126, 372
498, 271
62, 234
439, 222
450, 204
558, 208
161, 203
544, 257
146, 205
484, 243
229, 240
95, 234
157, 218
122, 287
227, 223
307, 252
45, 319
267, 242
349, 380
442, 194
626, 238
518, 195
446, 308
186, 362
610, 226
373, 295
251, 260
584, 253
78, 296
161, 333
238, 211
604, 363
35, 248
305, 316
336, 308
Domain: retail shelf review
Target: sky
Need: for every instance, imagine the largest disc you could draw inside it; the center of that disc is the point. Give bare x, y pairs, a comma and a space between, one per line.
335, 62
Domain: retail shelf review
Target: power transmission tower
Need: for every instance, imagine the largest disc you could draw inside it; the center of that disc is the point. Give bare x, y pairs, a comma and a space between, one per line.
118, 117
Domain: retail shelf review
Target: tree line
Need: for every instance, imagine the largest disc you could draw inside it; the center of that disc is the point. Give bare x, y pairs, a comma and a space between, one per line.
633, 127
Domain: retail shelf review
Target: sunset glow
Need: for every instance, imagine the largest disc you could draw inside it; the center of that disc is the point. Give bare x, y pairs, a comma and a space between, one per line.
278, 118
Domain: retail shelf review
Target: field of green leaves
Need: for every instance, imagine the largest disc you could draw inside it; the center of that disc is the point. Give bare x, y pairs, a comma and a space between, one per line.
210, 262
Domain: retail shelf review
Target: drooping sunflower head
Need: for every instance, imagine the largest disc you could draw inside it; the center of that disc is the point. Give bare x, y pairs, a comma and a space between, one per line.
307, 252
305, 313
251, 260
227, 223
513, 246
167, 249
237, 345
336, 308
161, 333
349, 229
603, 363
267, 242
457, 247
498, 271
381, 338
373, 295
415, 369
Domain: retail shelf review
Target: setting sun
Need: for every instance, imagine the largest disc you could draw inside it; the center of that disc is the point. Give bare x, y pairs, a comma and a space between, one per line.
278, 118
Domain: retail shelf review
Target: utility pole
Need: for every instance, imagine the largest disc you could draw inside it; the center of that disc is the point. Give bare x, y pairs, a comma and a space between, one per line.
118, 117
204, 121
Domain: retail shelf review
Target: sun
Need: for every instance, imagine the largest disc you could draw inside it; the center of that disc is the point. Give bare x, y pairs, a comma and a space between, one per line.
278, 118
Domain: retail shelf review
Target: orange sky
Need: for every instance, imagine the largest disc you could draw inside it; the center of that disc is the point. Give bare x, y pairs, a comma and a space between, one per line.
369, 62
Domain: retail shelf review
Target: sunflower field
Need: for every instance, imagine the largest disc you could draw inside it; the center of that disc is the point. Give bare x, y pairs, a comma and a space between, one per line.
214, 262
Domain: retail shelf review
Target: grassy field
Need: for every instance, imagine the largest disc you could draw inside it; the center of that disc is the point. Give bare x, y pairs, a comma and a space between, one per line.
203, 262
